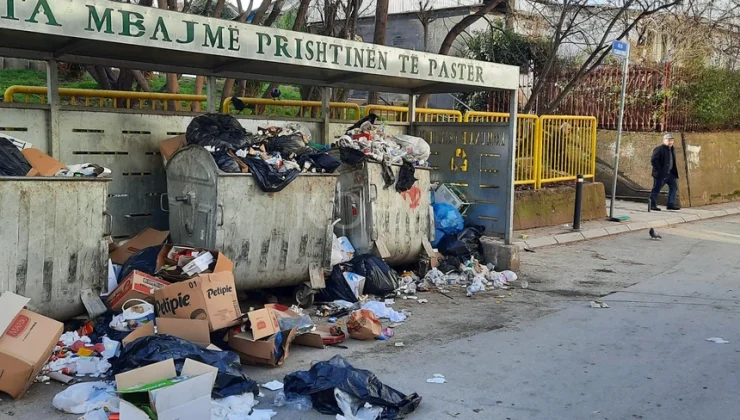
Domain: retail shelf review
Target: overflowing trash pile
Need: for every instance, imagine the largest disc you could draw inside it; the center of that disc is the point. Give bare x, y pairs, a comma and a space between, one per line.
274, 155
19, 158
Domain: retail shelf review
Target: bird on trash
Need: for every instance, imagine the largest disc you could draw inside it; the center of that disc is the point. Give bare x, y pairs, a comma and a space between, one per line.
370, 117
239, 105
654, 234
275, 94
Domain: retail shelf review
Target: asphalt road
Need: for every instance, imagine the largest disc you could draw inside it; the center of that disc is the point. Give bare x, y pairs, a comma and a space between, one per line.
645, 357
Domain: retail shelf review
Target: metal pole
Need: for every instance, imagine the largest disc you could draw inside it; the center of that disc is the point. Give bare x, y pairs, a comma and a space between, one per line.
326, 114
579, 201
412, 114
510, 168
211, 92
625, 69
52, 83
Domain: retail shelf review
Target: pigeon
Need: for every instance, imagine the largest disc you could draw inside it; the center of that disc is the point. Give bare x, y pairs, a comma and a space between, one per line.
654, 235
239, 105
275, 94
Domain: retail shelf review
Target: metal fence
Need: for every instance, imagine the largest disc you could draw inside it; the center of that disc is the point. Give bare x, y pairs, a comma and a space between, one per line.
298, 109
401, 114
567, 148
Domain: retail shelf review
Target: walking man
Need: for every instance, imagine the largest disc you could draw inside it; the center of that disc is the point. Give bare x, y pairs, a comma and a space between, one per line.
664, 172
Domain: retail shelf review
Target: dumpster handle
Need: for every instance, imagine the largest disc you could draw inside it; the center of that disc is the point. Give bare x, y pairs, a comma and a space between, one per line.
220, 214
161, 202
108, 226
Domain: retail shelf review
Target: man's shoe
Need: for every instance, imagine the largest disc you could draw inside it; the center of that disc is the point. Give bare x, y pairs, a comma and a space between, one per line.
669, 207
654, 208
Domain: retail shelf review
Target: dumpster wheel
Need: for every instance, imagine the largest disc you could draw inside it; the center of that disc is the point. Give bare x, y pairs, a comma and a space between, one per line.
304, 296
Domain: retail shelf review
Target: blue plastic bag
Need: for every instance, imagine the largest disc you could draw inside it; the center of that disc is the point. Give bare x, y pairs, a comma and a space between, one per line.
448, 219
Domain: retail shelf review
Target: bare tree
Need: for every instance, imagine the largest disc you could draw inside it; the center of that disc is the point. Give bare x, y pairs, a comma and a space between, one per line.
426, 17
458, 29
381, 26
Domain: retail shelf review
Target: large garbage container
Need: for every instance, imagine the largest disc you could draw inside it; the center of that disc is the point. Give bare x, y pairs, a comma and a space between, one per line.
274, 239
52, 241
381, 220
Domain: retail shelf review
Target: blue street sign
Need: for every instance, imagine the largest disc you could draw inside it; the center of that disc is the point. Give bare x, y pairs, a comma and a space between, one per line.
620, 49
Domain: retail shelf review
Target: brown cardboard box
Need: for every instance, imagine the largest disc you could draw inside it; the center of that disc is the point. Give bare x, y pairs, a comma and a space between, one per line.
223, 264
26, 342
364, 325
144, 239
43, 164
168, 147
264, 323
316, 337
207, 296
193, 330
261, 352
137, 285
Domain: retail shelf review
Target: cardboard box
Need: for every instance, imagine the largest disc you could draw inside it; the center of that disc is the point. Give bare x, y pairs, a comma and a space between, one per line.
193, 330
144, 239
210, 297
318, 338
137, 285
223, 264
26, 342
170, 398
168, 147
263, 322
43, 164
261, 352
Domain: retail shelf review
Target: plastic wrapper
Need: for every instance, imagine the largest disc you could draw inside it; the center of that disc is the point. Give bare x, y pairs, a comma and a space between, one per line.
417, 149
226, 163
86, 397
406, 178
448, 219
268, 179
12, 162
295, 402
380, 279
302, 324
145, 260
351, 156
218, 131
320, 381
145, 351
336, 288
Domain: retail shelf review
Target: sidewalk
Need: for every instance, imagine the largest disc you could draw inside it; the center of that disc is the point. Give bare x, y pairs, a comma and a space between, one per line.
639, 219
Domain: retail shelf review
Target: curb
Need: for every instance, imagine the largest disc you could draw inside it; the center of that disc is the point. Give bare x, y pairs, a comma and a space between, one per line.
618, 229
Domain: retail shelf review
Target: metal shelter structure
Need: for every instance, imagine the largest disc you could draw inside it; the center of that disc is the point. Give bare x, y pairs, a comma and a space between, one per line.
477, 156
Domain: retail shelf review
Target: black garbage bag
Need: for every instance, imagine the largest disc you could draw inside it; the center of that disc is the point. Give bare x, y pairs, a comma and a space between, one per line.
406, 177
220, 131
380, 279
470, 236
319, 383
145, 351
101, 328
288, 145
12, 162
269, 179
320, 160
226, 163
351, 156
336, 288
145, 260
454, 250
370, 117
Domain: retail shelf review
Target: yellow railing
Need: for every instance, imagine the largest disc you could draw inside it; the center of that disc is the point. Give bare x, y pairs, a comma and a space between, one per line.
568, 148
527, 147
106, 98
290, 108
401, 114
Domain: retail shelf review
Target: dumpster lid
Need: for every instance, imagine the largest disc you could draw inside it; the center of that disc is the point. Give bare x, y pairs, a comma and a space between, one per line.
131, 36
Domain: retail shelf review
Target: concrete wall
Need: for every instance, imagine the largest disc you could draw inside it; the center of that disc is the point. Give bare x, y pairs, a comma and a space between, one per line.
554, 206
708, 163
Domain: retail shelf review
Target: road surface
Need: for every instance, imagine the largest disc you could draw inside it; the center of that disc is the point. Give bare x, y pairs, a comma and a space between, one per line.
546, 354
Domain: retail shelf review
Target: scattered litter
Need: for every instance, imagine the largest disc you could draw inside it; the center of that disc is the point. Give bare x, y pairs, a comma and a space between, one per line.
364, 325
273, 385
423, 300
353, 409
295, 402
411, 297
598, 304
239, 407
86, 397
389, 302
399, 344
382, 311
718, 340
437, 378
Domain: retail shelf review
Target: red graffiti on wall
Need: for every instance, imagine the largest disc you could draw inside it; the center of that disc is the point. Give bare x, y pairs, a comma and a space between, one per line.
414, 196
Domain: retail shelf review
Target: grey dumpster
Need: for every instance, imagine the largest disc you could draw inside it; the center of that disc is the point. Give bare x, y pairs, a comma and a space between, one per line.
275, 240
381, 220
52, 241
